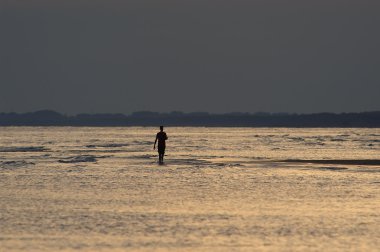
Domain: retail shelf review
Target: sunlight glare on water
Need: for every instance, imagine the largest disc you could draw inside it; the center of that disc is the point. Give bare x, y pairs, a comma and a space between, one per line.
86, 189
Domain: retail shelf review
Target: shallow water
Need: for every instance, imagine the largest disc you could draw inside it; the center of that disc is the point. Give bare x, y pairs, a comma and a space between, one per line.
223, 189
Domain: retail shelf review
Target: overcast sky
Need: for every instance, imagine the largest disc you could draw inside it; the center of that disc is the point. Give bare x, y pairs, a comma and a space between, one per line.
211, 55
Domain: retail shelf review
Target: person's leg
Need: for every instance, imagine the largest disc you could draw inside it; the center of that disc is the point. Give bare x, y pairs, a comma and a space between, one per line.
163, 154
161, 151
160, 157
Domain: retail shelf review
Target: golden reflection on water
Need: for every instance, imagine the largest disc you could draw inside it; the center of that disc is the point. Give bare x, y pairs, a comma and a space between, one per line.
220, 189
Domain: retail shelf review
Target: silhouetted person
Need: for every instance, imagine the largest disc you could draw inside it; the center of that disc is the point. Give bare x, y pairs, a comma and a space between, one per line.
161, 137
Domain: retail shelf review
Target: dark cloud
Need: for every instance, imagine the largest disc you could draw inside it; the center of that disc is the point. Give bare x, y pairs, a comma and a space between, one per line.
217, 56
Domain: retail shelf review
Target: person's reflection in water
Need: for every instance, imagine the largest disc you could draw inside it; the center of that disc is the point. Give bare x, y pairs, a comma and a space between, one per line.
161, 137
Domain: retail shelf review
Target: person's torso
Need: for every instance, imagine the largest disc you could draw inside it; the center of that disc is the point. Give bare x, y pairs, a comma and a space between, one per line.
161, 136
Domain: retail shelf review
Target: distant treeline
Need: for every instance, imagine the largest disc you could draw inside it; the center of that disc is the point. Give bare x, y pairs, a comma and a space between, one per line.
146, 118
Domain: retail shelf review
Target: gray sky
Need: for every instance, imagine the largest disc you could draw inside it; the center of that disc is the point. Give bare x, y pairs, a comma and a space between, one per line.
189, 55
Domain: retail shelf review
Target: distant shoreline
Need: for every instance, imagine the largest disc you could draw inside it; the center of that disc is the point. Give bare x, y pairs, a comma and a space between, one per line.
199, 119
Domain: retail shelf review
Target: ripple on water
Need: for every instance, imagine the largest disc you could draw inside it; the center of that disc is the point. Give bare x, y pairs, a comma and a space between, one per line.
23, 149
81, 159
12, 164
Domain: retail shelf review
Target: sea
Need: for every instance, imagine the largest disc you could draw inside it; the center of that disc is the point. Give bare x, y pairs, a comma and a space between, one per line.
219, 189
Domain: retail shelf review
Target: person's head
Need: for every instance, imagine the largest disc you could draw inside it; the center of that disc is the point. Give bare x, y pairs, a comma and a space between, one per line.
161, 128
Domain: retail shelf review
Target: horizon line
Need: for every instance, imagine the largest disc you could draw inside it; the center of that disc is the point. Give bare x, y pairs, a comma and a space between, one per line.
178, 112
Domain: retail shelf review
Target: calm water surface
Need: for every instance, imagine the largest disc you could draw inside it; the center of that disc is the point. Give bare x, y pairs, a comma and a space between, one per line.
221, 189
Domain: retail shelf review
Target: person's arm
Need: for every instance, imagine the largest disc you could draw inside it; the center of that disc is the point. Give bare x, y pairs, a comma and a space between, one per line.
154, 147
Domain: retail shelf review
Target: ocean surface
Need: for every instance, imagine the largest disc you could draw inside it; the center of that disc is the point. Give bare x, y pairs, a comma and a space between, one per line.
220, 189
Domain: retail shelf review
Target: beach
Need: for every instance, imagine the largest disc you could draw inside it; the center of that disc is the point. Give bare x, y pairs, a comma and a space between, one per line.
220, 189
